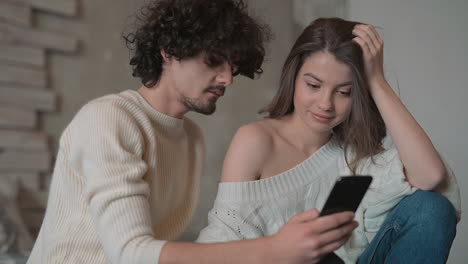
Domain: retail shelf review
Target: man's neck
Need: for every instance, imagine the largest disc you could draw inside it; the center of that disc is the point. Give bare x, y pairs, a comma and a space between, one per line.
163, 101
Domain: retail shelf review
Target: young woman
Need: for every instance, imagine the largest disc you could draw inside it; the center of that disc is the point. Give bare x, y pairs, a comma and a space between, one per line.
328, 118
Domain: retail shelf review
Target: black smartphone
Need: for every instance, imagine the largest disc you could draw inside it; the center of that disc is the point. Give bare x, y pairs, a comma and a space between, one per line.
346, 194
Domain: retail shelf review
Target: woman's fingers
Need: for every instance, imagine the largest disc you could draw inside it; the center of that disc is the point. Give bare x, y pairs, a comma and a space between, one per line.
376, 35
372, 34
370, 37
366, 42
367, 54
372, 48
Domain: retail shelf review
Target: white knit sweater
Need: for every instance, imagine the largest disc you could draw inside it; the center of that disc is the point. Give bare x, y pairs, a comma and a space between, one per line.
126, 180
248, 210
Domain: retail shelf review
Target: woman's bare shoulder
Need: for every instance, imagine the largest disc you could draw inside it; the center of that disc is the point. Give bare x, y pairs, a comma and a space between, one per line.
250, 147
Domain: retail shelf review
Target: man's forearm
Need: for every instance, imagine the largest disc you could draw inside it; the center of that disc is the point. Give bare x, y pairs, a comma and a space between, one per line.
245, 251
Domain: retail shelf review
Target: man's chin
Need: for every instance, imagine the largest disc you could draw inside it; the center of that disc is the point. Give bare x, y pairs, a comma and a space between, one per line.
206, 110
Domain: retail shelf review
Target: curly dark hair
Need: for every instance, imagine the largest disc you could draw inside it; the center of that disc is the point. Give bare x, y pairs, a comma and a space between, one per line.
221, 29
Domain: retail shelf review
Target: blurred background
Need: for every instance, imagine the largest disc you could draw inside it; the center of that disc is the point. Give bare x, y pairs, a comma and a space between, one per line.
55, 55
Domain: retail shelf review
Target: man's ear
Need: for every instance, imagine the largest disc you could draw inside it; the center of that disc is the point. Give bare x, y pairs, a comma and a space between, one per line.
166, 57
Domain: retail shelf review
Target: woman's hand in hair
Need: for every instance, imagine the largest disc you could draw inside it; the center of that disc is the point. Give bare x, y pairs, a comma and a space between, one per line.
423, 167
372, 47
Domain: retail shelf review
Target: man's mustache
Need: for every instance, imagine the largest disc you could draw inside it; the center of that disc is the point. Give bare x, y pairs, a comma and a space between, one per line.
220, 89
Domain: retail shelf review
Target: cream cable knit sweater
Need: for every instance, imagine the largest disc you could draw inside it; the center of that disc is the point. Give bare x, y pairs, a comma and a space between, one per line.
126, 180
253, 209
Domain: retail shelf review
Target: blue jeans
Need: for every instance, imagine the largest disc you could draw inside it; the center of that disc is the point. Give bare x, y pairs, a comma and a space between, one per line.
420, 229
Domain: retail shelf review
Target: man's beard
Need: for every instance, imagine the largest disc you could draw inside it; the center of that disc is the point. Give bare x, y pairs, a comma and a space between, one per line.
197, 105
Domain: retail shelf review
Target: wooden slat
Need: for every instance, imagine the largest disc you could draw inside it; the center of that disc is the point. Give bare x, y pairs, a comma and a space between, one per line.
33, 219
45, 179
22, 140
28, 180
28, 199
15, 54
63, 7
8, 187
22, 75
24, 160
37, 37
28, 98
6, 38
18, 13
12, 117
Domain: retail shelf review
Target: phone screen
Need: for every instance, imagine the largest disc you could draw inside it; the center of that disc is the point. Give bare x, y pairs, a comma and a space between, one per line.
347, 194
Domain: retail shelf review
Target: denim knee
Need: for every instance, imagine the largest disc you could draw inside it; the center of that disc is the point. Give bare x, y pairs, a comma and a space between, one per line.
431, 210
420, 229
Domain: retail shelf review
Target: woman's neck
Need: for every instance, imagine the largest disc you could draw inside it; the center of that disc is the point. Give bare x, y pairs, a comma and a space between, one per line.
302, 136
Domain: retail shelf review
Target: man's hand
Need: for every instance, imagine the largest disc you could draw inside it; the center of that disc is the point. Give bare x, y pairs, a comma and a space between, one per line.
307, 238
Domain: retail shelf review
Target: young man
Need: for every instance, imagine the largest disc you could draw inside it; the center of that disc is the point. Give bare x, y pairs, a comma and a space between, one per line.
126, 179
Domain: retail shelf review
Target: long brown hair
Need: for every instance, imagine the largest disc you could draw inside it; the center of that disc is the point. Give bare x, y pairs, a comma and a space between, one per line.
364, 129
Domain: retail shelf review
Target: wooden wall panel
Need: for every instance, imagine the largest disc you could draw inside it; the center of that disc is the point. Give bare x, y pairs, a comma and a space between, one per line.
22, 75
39, 99
24, 152
17, 13
27, 180
22, 140
38, 37
22, 55
13, 117
33, 161
63, 7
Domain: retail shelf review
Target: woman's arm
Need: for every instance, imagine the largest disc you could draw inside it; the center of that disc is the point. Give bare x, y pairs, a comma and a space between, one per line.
424, 168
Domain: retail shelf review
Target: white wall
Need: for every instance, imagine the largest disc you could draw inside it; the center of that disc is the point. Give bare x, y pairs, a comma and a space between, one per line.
426, 44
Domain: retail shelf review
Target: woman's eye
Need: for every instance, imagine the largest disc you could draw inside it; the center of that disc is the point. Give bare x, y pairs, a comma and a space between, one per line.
345, 93
313, 85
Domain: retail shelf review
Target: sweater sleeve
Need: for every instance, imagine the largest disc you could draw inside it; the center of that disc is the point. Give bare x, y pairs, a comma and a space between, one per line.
229, 221
391, 186
449, 188
221, 227
388, 188
108, 148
